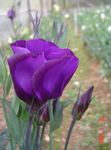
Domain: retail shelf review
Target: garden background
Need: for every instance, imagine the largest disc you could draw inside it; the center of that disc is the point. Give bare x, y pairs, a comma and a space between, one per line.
88, 34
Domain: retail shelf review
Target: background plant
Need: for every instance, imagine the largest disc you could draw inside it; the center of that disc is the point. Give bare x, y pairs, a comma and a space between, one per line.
95, 28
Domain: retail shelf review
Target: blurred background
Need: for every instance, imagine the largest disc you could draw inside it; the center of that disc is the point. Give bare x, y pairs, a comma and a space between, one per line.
43, 6
88, 34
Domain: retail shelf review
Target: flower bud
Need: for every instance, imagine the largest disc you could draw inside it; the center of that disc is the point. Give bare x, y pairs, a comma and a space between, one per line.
11, 14
82, 103
44, 111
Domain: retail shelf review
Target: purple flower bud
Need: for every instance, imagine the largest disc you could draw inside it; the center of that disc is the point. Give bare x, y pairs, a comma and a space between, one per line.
11, 14
40, 70
82, 103
44, 112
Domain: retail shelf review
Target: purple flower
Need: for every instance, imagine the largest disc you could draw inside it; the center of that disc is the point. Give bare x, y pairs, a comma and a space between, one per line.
11, 14
82, 103
40, 70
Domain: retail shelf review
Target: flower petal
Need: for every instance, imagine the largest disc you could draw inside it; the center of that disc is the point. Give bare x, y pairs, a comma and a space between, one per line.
55, 53
52, 51
19, 47
51, 78
36, 46
22, 67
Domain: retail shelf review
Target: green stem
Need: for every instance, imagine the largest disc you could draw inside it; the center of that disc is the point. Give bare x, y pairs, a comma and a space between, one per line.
33, 136
6, 118
14, 30
28, 133
69, 133
51, 124
38, 138
42, 133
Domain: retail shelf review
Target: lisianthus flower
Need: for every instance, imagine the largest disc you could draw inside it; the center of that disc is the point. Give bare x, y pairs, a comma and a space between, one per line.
40, 70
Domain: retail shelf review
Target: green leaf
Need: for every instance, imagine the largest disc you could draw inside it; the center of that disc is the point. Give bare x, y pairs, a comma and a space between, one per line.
23, 112
16, 104
17, 127
20, 108
3, 137
14, 126
8, 85
58, 116
2, 71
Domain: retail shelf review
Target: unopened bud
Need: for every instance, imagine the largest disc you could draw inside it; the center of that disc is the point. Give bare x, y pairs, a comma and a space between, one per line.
11, 14
82, 103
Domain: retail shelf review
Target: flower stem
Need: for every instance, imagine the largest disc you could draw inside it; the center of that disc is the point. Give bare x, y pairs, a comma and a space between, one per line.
42, 133
14, 30
28, 133
51, 125
69, 133
38, 138
6, 118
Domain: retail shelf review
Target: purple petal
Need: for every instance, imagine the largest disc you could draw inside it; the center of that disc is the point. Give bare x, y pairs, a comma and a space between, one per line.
22, 67
19, 47
56, 53
36, 46
50, 80
52, 51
